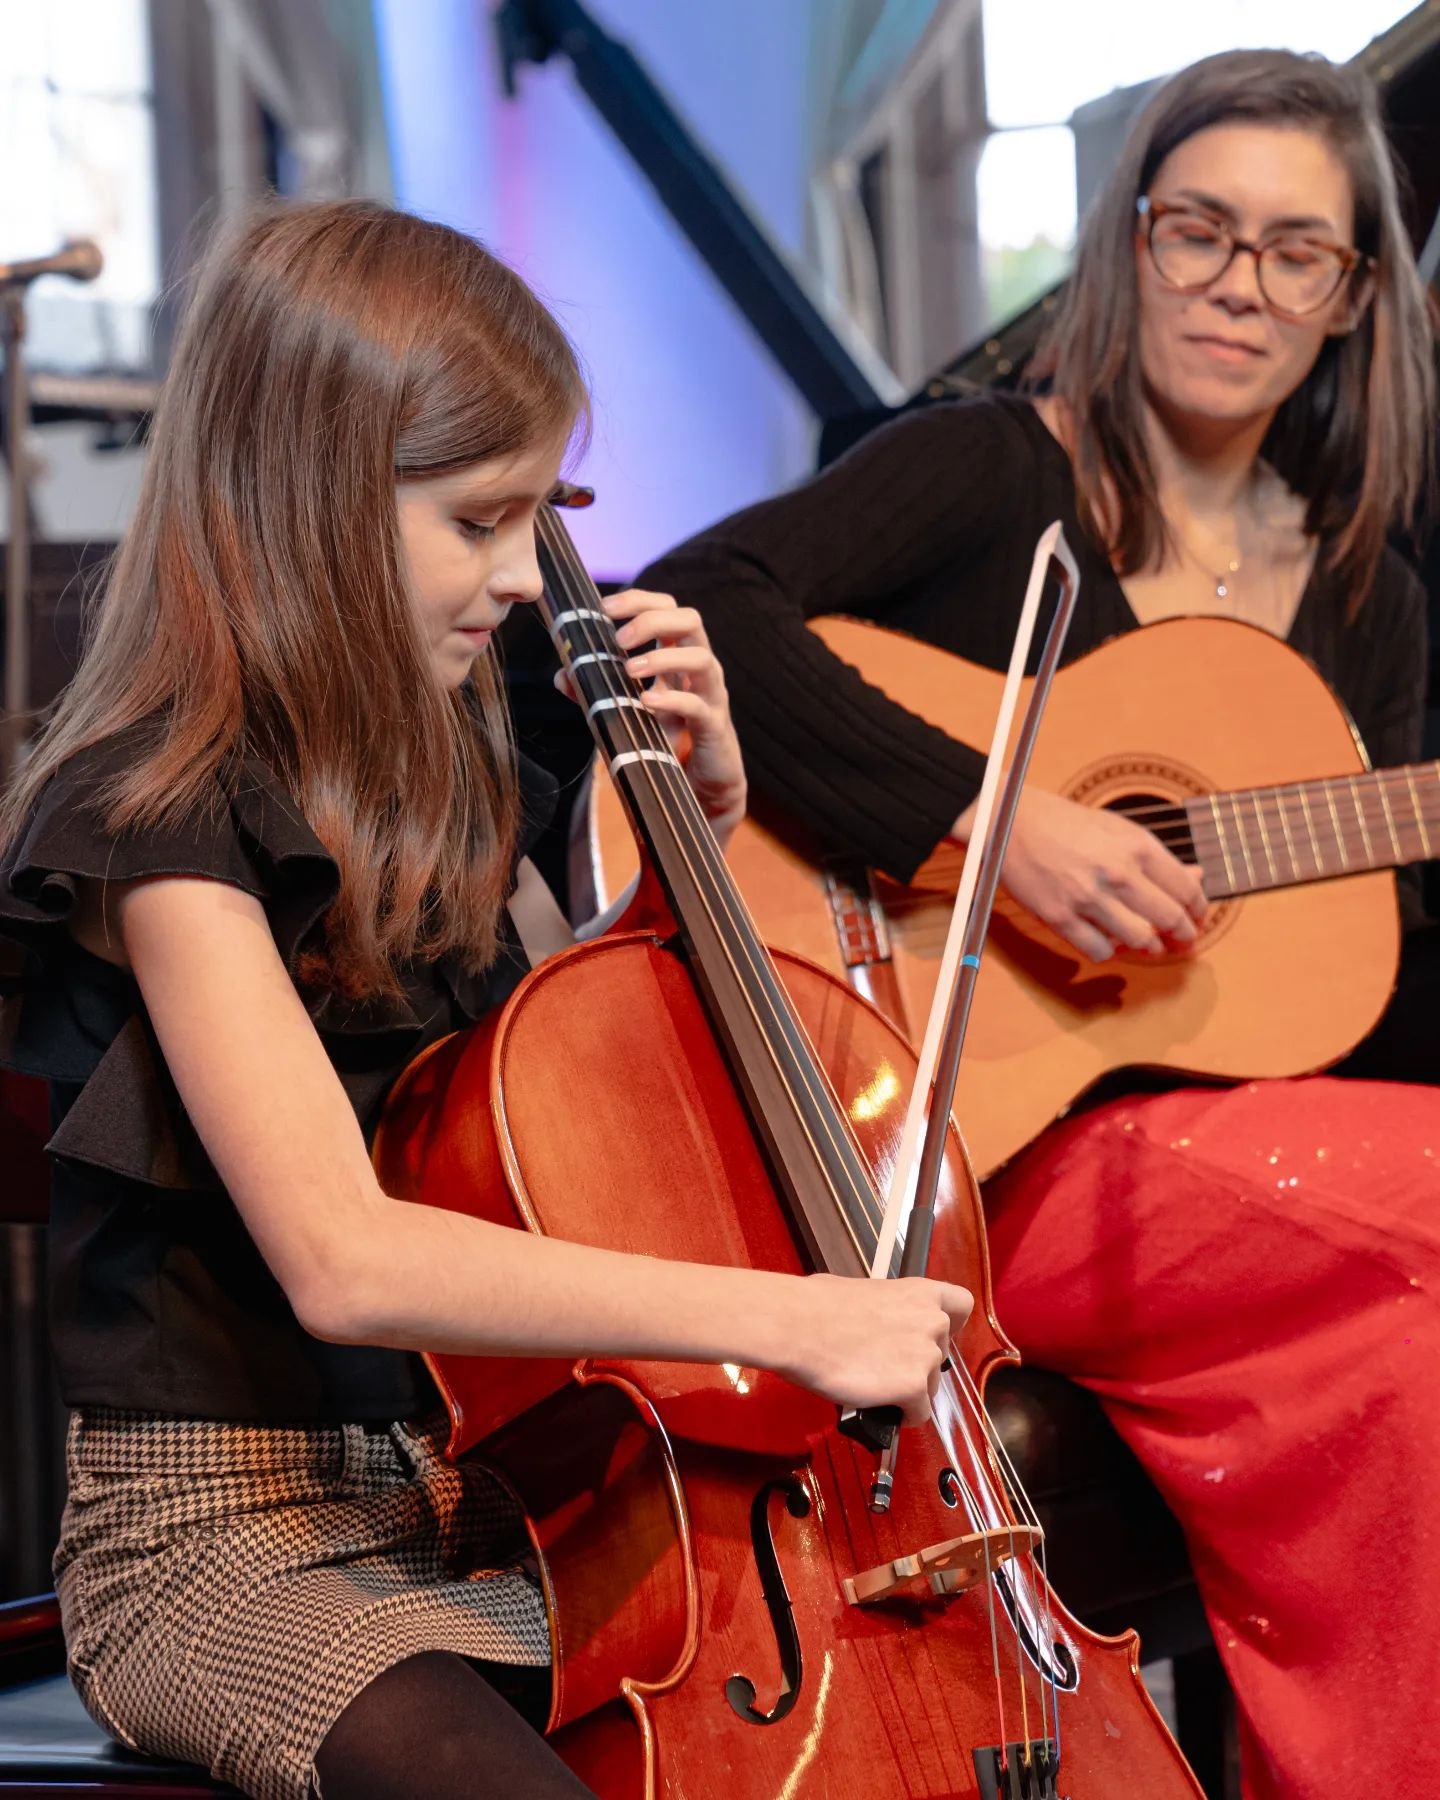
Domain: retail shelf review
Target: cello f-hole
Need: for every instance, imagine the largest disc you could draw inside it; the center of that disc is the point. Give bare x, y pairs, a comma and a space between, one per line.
1052, 1659
739, 1689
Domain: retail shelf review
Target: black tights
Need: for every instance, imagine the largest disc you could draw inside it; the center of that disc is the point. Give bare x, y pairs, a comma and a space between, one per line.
441, 1726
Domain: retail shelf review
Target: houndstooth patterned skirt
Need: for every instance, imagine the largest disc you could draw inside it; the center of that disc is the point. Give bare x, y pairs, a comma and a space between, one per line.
228, 1589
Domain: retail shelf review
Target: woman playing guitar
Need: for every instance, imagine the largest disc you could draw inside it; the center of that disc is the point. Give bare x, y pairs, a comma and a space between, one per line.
1233, 411
270, 847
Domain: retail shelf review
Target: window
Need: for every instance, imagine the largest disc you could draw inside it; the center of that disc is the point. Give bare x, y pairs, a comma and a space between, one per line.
77, 142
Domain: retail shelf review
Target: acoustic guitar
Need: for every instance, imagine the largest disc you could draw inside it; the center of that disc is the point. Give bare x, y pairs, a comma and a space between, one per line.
1214, 735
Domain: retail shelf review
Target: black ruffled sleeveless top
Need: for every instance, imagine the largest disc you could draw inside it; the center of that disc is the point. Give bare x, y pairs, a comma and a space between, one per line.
160, 1301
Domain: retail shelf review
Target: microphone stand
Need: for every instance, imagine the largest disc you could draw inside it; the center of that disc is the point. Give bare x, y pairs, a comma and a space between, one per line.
15, 717
81, 261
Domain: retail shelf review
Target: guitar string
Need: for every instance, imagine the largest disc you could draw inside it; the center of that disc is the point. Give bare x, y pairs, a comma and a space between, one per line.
1364, 781
1179, 834
1352, 842
1258, 830
1354, 847
605, 670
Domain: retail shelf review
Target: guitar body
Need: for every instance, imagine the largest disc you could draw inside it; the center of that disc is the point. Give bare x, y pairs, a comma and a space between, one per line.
1281, 983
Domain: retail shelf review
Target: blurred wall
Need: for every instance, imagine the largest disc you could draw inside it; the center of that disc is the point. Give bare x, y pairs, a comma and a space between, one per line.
692, 418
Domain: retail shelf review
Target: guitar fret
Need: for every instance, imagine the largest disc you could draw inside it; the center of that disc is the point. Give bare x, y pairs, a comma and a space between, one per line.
1310, 830
1285, 827
1363, 826
1360, 815
1264, 837
1220, 839
1419, 814
1384, 798
1335, 822
1244, 847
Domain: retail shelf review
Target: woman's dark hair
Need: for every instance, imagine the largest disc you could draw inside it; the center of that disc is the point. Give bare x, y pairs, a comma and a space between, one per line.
258, 605
1354, 440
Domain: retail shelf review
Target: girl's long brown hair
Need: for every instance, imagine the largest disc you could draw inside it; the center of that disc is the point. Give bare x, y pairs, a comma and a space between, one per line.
1354, 440
258, 604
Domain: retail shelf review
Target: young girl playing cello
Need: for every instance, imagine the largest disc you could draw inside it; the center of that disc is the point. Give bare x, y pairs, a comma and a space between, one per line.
272, 845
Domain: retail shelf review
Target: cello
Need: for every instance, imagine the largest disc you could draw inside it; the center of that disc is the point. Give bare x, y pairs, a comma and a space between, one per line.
737, 1607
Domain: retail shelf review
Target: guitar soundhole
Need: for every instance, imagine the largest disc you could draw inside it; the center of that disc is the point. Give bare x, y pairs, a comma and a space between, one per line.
1153, 793
1163, 817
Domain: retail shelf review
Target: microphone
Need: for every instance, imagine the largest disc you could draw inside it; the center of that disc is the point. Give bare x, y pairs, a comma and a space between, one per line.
80, 260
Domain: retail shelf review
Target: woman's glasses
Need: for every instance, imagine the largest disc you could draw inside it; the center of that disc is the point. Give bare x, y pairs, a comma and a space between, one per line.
1297, 273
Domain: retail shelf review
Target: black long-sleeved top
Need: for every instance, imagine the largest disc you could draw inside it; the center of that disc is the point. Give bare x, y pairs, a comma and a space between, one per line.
929, 526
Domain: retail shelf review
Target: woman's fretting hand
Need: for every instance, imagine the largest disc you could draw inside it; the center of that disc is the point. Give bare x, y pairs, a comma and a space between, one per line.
1099, 880
688, 694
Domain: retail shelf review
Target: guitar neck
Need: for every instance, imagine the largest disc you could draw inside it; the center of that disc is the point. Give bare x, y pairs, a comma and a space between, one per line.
1258, 838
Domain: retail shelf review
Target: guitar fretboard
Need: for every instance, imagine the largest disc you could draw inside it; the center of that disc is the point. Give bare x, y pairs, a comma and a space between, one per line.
1257, 838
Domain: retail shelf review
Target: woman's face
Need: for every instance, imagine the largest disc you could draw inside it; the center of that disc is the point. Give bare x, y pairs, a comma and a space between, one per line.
1224, 354
467, 544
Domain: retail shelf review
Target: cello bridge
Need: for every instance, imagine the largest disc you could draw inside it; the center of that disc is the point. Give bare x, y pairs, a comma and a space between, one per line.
945, 1568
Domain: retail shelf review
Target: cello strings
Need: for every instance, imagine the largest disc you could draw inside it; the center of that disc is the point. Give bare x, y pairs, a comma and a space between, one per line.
706, 845
992, 1580
980, 1476
695, 842
693, 836
989, 1433
596, 642
990, 1599
1010, 1476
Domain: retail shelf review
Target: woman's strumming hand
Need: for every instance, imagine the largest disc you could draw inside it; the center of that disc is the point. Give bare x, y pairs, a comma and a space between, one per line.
687, 692
1101, 881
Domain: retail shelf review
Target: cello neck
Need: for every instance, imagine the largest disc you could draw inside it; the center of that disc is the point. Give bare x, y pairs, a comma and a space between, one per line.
812, 1155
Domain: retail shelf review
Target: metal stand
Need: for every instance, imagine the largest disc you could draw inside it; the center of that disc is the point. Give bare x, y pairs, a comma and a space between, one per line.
15, 725
32, 1469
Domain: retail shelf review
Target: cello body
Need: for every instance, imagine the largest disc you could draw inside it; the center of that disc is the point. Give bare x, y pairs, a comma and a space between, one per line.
695, 1526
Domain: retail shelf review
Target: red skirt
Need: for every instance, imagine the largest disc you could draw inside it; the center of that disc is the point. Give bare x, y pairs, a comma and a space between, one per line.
1248, 1279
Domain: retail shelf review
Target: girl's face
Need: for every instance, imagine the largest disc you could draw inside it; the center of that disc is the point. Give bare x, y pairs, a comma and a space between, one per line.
1225, 354
467, 544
